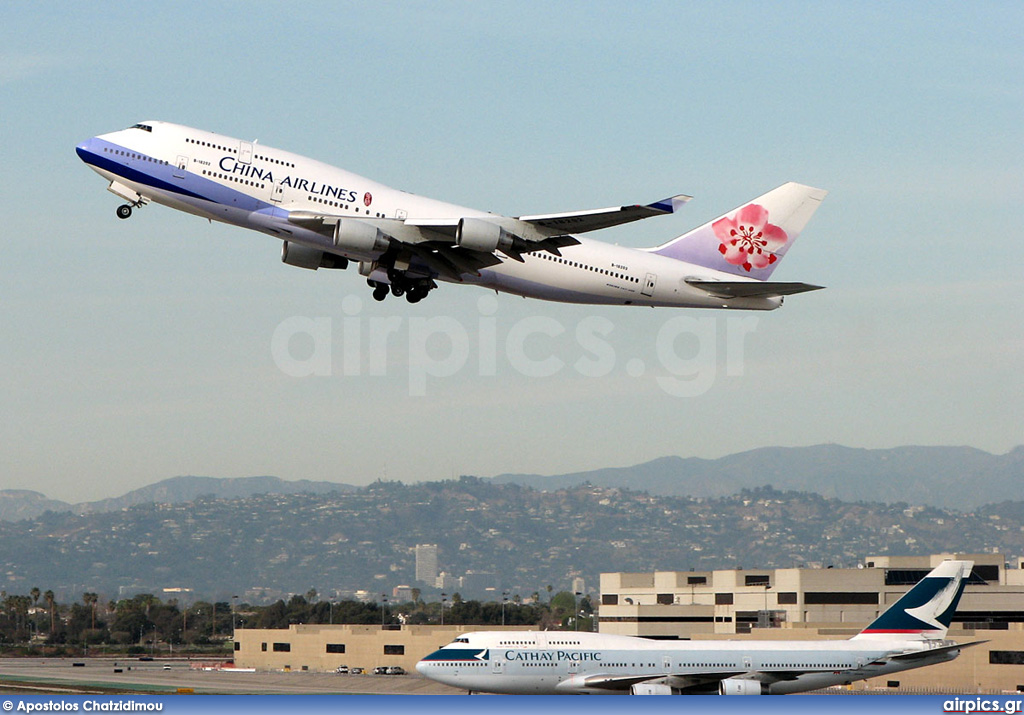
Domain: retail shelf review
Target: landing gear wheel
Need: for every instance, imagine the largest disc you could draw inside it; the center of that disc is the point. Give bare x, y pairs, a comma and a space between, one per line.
124, 211
380, 292
416, 293
397, 290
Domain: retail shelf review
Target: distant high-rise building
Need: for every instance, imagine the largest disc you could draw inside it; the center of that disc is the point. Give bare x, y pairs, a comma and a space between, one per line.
426, 563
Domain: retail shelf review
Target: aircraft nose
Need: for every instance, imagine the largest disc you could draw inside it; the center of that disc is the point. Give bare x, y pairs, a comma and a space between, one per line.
85, 150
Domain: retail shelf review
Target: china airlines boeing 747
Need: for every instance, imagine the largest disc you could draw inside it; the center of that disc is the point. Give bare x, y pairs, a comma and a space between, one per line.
403, 243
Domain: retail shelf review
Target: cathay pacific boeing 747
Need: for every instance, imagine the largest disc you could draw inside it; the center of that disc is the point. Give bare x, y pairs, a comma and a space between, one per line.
403, 243
910, 634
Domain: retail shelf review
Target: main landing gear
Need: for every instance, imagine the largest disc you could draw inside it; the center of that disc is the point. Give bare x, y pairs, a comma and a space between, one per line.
414, 291
124, 211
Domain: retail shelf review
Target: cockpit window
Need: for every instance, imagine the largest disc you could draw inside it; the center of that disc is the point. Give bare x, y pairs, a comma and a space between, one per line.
143, 127
461, 640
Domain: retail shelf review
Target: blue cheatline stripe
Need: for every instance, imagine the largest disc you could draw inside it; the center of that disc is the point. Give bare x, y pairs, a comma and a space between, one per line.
217, 193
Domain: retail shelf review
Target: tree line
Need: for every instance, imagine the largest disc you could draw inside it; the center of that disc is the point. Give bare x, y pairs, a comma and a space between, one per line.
37, 624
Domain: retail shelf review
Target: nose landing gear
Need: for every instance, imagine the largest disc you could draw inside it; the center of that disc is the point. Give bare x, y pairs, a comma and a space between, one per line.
124, 211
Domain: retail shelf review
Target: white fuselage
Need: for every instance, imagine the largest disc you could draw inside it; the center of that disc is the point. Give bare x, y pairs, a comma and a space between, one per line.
554, 662
258, 187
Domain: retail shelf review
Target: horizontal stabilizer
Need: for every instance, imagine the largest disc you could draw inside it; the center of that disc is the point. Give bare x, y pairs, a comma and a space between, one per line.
929, 652
751, 289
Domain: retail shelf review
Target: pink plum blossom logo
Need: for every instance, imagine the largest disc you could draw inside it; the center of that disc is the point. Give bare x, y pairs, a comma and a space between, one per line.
747, 239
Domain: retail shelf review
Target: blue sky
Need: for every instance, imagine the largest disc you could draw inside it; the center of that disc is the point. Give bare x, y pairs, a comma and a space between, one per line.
131, 351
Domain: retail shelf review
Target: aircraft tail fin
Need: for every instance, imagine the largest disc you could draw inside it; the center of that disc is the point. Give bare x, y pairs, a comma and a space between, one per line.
750, 240
926, 610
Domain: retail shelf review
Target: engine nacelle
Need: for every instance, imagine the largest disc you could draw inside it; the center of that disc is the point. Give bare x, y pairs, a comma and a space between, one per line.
295, 254
650, 689
741, 686
360, 237
477, 234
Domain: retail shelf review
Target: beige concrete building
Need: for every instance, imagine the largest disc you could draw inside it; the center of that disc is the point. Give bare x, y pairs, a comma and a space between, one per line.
322, 648
690, 604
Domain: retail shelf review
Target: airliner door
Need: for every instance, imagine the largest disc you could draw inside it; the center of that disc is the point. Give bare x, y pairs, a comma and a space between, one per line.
181, 167
573, 667
497, 667
278, 193
649, 282
245, 152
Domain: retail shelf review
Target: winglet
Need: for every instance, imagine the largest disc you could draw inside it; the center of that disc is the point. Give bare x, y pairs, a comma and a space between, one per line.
671, 204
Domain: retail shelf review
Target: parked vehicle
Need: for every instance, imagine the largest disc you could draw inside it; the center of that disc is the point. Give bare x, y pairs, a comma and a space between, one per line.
341, 670
356, 671
395, 670
380, 670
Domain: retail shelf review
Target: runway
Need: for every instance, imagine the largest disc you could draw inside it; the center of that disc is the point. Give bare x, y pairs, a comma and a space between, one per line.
97, 675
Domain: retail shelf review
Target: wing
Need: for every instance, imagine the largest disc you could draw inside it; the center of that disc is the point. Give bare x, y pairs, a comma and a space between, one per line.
456, 246
696, 682
751, 289
451, 247
595, 219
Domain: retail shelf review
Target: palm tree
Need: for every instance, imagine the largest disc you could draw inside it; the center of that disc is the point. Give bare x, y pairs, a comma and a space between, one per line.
90, 599
48, 596
35, 593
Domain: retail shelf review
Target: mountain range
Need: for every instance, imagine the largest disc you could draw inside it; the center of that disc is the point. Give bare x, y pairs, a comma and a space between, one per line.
944, 477
18, 504
947, 477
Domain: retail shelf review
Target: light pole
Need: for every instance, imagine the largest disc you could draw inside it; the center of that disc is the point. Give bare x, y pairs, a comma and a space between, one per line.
233, 600
504, 599
443, 599
575, 607
383, 604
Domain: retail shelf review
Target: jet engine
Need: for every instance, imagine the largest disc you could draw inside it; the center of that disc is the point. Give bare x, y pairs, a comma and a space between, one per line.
476, 234
741, 686
360, 237
295, 254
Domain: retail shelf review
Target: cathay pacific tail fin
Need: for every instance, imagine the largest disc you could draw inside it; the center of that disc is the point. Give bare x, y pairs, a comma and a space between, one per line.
925, 611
